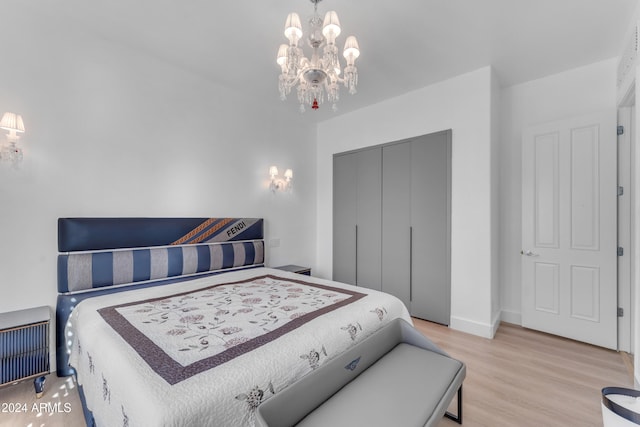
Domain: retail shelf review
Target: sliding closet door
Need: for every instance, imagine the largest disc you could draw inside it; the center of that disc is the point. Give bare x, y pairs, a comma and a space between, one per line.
369, 218
396, 220
416, 230
357, 198
344, 218
431, 227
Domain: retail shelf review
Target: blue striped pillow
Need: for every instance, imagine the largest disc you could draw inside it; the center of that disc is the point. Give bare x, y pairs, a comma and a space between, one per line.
89, 270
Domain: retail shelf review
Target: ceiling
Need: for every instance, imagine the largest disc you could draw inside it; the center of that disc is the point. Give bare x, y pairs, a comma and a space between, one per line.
404, 45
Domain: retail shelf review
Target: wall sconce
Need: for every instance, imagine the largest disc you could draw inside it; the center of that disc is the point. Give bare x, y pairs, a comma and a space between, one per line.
10, 152
278, 183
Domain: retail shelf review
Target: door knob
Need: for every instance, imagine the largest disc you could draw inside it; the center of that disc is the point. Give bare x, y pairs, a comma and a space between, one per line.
528, 253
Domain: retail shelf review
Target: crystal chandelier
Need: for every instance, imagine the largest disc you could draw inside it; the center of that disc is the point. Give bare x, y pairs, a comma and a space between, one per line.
322, 73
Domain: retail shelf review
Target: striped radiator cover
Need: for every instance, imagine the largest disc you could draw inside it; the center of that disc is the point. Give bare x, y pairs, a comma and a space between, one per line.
24, 352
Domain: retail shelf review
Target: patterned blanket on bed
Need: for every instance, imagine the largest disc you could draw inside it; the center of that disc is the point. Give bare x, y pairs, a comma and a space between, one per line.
208, 351
184, 334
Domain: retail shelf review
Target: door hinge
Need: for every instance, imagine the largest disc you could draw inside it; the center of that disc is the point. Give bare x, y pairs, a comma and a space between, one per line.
620, 190
620, 251
620, 312
620, 130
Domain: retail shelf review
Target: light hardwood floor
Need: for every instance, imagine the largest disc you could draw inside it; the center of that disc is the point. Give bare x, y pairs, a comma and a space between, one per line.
520, 378
526, 378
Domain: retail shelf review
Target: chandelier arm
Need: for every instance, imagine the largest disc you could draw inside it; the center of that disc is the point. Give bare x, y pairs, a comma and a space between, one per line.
294, 81
340, 79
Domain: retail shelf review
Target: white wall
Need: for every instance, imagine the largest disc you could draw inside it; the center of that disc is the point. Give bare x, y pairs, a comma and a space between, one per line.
462, 104
112, 132
575, 92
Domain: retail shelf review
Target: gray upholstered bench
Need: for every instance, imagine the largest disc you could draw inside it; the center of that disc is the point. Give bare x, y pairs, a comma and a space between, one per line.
395, 377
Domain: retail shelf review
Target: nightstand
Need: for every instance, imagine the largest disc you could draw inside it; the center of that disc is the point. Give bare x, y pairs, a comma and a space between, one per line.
295, 269
24, 346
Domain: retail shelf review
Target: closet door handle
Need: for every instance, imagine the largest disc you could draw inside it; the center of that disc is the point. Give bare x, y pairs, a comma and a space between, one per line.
410, 263
356, 255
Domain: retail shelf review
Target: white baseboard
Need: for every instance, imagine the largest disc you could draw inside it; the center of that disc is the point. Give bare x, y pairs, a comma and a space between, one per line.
495, 324
509, 316
484, 330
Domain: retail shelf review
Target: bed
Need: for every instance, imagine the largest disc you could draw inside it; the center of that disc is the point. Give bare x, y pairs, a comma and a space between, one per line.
177, 322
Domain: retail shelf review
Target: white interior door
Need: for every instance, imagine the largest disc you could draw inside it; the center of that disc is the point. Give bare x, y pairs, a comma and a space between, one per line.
569, 256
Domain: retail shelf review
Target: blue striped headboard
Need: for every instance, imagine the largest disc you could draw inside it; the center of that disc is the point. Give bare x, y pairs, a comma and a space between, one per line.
105, 255
99, 252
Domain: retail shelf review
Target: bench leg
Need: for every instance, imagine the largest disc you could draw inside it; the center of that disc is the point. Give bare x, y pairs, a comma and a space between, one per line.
457, 418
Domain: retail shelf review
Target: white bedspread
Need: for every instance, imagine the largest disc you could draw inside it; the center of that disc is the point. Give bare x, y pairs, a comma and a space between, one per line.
206, 355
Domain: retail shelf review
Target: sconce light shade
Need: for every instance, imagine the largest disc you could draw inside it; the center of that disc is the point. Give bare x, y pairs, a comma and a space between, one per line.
11, 152
277, 183
12, 122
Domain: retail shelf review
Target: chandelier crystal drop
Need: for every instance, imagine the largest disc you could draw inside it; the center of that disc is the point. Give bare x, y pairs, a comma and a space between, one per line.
320, 76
